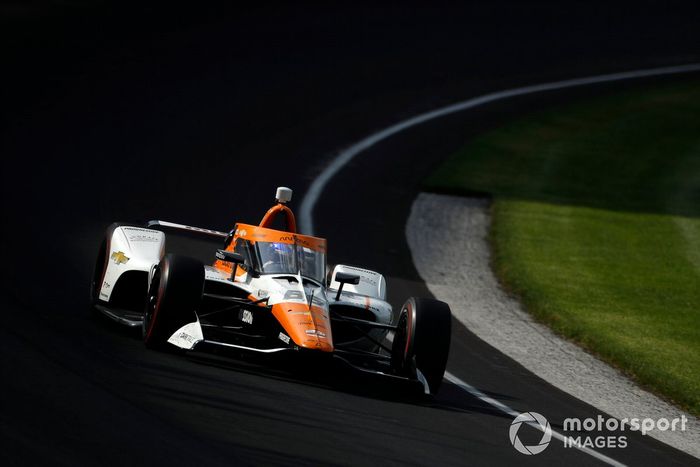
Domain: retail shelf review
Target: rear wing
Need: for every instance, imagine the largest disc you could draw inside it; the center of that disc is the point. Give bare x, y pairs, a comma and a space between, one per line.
187, 228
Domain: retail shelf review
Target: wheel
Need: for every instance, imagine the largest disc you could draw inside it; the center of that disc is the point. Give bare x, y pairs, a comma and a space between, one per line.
173, 297
422, 341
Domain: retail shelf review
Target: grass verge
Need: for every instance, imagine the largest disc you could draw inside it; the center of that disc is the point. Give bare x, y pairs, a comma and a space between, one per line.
596, 226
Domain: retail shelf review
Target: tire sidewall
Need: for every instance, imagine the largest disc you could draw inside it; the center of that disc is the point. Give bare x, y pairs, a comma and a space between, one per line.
178, 294
423, 340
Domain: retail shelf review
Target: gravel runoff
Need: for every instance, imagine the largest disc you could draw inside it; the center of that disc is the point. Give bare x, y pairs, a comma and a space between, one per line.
455, 266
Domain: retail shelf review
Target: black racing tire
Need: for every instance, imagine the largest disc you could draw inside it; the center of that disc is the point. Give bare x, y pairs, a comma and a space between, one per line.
422, 340
174, 295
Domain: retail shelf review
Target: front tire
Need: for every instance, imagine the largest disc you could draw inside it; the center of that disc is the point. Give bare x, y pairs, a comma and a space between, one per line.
422, 340
174, 295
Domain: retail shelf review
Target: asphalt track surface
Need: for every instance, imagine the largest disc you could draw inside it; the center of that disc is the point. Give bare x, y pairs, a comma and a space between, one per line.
196, 117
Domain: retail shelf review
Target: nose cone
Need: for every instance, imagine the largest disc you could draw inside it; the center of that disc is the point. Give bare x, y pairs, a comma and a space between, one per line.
309, 327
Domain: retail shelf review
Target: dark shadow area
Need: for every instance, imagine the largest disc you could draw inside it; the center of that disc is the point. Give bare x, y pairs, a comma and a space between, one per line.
332, 374
125, 111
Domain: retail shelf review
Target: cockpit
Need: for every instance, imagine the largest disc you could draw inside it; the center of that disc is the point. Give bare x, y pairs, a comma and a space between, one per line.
268, 251
286, 258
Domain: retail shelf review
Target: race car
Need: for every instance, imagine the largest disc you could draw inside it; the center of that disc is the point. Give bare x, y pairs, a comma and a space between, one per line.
267, 291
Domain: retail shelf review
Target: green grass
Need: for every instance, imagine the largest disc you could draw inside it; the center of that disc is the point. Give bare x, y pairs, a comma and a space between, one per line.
596, 226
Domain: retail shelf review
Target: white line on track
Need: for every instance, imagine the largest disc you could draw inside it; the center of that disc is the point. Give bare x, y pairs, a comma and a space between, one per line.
508, 411
314, 192
319, 184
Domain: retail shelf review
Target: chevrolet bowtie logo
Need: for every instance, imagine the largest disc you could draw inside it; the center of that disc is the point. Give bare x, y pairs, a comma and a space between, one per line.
119, 258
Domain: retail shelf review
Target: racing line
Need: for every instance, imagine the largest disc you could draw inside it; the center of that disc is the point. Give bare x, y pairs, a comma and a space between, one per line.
318, 185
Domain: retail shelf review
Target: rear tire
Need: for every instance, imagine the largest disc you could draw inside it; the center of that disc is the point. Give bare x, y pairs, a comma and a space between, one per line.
422, 340
174, 295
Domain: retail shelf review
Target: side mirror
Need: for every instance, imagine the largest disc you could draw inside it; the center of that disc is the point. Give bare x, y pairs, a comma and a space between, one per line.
345, 278
230, 257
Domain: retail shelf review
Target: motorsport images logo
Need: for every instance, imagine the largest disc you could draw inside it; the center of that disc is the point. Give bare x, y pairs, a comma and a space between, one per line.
600, 432
532, 419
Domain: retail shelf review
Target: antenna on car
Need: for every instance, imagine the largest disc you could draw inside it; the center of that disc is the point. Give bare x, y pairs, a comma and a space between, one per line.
283, 195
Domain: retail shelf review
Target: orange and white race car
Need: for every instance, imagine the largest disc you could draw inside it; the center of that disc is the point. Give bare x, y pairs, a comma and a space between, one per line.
268, 292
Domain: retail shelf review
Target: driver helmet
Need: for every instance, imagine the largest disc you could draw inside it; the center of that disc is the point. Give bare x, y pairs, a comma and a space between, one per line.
282, 254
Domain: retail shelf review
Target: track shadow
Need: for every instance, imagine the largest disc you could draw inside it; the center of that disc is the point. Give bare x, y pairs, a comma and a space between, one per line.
453, 398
